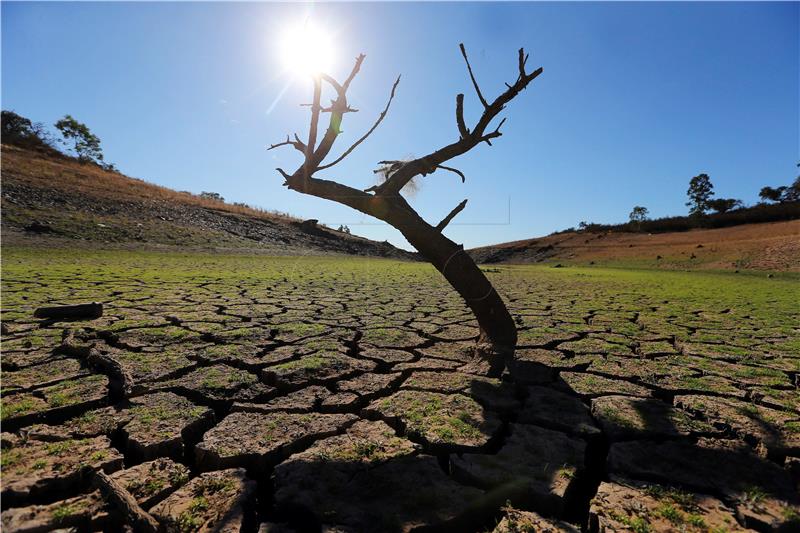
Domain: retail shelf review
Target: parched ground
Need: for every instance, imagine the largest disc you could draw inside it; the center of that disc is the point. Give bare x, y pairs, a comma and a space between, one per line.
280, 394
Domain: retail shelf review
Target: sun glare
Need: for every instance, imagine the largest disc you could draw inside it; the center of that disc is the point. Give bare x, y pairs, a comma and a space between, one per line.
306, 49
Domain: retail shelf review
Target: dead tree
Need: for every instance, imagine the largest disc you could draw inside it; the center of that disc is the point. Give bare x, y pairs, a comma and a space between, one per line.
498, 334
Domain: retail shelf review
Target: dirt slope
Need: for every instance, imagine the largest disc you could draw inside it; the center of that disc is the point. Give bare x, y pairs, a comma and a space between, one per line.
56, 200
767, 246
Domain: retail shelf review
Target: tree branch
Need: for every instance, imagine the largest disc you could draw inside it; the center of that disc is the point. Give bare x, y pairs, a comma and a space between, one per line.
297, 144
462, 127
472, 76
446, 220
356, 68
364, 137
523, 58
337, 110
312, 130
455, 170
428, 163
492, 135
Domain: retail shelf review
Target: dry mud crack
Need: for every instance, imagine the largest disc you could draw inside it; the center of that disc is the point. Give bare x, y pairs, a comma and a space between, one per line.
333, 398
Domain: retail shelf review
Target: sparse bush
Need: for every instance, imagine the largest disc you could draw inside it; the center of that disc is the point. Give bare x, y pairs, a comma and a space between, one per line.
723, 205
792, 192
590, 227
85, 144
20, 131
215, 196
769, 194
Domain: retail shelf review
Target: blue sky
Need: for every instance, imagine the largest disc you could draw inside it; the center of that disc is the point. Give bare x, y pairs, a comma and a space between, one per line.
635, 99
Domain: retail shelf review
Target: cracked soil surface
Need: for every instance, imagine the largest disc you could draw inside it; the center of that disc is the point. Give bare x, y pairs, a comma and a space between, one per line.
322, 394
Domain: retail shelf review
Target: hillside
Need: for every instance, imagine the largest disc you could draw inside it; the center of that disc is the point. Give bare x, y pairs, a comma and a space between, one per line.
766, 246
50, 199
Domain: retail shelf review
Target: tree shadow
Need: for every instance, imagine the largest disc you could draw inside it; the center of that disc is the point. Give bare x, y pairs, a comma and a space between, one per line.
357, 480
650, 440
450, 487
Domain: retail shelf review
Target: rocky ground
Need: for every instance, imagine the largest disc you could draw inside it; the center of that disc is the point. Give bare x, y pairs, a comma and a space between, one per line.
269, 394
59, 202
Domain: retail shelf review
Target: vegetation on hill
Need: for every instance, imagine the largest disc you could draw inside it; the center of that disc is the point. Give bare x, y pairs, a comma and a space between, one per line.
746, 215
781, 203
53, 196
82, 146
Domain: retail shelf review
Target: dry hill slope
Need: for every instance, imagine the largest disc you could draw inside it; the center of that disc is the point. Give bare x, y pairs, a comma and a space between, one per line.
50, 199
767, 246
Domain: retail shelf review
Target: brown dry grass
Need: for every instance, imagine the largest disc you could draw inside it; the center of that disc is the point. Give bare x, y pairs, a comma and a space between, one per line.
42, 171
771, 246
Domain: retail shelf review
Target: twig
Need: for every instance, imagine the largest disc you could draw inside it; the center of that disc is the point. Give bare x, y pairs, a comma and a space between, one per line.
312, 130
356, 68
297, 144
364, 137
455, 170
523, 58
472, 76
492, 135
446, 220
462, 127
477, 135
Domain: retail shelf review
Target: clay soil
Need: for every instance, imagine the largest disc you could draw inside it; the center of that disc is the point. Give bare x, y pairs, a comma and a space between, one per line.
255, 393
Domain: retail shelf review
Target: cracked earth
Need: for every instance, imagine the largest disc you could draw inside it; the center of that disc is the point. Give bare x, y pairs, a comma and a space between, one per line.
268, 394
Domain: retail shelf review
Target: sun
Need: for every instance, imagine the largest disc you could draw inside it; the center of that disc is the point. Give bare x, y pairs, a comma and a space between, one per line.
306, 49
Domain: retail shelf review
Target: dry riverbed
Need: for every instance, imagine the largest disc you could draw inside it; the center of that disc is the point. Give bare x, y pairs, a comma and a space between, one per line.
280, 394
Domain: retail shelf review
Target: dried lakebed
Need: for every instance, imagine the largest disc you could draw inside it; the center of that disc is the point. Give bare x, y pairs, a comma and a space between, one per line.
228, 393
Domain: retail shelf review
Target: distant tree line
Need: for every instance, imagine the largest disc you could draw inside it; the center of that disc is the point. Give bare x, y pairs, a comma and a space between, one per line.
705, 211
76, 137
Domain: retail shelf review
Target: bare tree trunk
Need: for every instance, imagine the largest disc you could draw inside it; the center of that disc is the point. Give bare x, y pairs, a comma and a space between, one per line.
498, 333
